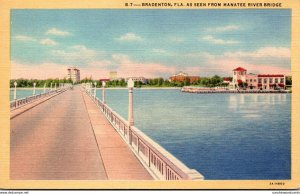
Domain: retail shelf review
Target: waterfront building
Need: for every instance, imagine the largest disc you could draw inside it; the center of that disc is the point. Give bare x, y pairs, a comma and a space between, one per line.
256, 81
181, 76
104, 80
226, 80
136, 79
74, 74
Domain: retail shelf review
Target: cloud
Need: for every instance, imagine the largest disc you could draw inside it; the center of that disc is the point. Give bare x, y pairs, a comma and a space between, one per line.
24, 38
57, 32
130, 37
224, 28
276, 52
128, 67
38, 71
77, 54
272, 60
48, 41
211, 39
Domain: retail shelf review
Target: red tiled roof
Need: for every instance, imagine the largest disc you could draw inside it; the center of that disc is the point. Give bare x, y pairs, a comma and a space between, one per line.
104, 79
226, 79
239, 69
239, 81
267, 75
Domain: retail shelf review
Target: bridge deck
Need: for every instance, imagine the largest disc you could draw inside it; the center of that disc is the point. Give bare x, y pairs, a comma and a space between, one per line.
68, 138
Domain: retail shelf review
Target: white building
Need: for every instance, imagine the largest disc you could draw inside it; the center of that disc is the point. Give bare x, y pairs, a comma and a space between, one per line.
74, 74
136, 79
240, 79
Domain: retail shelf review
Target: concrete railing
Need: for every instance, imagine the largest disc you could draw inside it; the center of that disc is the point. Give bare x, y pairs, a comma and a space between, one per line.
14, 104
161, 164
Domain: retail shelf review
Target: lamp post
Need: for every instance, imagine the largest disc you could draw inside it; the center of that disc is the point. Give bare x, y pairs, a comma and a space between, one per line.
54, 86
34, 84
51, 86
130, 85
15, 92
44, 88
103, 92
95, 90
91, 87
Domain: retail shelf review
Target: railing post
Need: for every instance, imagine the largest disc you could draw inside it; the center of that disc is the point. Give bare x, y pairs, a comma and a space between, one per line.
34, 84
95, 90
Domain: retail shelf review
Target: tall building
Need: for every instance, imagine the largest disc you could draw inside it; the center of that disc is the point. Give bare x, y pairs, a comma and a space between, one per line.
113, 75
74, 74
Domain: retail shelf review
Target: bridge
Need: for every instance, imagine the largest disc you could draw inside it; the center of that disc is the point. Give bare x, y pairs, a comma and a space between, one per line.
70, 134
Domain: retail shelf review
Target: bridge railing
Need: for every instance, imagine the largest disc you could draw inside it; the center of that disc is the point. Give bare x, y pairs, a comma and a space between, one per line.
14, 104
158, 161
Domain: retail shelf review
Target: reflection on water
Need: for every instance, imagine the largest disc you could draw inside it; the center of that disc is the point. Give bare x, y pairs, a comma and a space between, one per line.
223, 136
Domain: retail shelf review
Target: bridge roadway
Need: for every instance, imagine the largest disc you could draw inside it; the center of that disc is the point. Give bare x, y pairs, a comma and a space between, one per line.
68, 138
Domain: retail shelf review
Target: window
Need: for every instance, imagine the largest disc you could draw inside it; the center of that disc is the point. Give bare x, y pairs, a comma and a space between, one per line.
254, 80
281, 80
234, 73
259, 80
276, 80
250, 80
271, 80
265, 80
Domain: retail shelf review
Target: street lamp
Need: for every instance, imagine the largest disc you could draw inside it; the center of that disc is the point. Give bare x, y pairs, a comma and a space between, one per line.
51, 86
130, 85
15, 92
44, 88
103, 92
95, 90
54, 86
34, 84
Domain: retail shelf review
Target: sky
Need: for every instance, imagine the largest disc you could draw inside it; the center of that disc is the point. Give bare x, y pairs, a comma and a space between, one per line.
149, 43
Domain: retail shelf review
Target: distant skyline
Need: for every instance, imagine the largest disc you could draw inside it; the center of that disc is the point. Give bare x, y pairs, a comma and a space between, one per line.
149, 43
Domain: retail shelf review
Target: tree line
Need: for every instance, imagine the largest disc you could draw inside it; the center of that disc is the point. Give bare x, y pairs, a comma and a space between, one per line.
28, 83
161, 82
154, 82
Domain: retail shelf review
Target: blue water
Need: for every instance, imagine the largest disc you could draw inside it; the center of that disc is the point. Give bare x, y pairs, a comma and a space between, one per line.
223, 136
21, 93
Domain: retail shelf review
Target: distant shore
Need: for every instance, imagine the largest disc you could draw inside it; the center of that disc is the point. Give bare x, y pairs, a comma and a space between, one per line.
144, 88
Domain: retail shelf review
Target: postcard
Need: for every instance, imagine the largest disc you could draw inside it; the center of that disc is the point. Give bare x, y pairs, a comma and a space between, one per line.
149, 94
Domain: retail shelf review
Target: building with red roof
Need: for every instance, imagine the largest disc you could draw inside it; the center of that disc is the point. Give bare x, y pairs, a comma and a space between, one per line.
256, 81
180, 77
